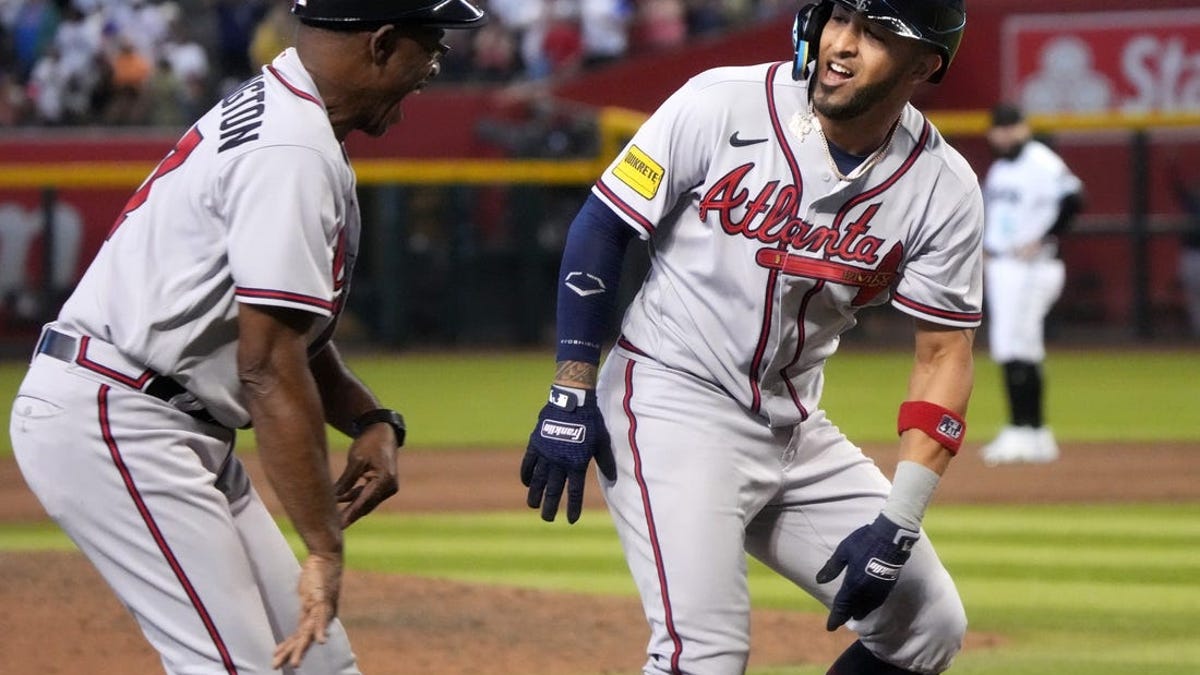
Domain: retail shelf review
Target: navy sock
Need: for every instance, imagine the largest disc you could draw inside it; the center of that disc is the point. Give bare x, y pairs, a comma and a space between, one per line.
858, 660
1023, 383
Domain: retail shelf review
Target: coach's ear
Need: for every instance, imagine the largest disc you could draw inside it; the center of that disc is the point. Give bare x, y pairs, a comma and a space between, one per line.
382, 42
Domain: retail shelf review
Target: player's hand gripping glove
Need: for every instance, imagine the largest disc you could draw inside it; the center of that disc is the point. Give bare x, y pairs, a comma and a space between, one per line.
872, 556
569, 432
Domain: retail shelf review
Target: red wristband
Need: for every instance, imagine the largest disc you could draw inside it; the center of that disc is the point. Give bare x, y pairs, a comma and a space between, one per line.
941, 424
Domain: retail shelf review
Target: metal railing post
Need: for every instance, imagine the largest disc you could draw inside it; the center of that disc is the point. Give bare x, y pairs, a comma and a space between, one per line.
1139, 232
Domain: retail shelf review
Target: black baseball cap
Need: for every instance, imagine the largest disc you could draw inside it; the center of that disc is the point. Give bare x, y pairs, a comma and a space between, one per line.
1006, 114
358, 14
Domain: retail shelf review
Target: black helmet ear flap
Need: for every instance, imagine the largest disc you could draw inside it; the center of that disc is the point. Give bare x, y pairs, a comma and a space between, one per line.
806, 35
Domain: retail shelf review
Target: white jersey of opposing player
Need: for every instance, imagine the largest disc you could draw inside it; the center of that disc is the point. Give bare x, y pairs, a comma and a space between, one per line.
761, 255
255, 204
1023, 196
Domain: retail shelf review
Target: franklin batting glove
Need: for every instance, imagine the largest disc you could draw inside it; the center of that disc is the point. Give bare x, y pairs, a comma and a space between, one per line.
570, 431
872, 556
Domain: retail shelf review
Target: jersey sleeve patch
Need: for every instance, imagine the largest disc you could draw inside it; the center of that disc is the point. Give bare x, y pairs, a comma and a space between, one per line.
640, 172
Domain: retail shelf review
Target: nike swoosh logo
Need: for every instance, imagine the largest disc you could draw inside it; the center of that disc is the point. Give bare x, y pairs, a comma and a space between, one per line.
743, 142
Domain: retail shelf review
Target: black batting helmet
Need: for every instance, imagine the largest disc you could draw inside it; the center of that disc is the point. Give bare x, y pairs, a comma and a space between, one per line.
938, 23
356, 13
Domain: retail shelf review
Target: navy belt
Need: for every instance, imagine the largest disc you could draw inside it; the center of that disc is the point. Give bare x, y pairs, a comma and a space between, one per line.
63, 347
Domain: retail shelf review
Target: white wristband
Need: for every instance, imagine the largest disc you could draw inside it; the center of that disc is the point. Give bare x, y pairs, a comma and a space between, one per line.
912, 490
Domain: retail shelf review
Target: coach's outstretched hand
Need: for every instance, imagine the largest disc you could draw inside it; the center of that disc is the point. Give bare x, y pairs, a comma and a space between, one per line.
569, 432
872, 556
320, 587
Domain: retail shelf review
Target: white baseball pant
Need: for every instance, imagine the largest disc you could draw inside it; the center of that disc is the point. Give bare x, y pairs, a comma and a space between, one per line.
163, 508
1019, 295
701, 482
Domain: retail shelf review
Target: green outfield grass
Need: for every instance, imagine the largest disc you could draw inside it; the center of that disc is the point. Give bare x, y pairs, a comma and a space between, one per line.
1091, 395
1075, 590
457, 400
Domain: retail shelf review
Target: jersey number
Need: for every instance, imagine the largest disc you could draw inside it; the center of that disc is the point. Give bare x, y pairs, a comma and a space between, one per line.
176, 157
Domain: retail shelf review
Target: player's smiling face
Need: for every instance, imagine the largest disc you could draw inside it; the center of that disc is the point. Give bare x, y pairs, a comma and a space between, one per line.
412, 60
861, 64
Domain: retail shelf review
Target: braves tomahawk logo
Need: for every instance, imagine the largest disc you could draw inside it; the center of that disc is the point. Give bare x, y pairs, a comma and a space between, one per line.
796, 247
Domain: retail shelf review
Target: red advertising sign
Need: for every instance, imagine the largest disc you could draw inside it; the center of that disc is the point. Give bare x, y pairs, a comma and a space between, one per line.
1130, 62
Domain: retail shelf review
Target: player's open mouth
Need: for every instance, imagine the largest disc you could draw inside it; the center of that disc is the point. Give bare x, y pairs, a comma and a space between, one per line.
835, 73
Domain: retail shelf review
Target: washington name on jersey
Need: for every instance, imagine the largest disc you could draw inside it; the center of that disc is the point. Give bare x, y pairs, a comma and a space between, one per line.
242, 114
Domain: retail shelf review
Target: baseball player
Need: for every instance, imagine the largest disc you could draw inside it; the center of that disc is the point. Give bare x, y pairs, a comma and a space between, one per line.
775, 204
1189, 249
1030, 197
210, 308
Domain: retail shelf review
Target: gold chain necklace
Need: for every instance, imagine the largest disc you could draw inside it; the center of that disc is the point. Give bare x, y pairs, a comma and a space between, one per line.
802, 123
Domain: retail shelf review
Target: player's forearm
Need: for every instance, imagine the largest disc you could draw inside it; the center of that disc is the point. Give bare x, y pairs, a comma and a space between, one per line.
286, 411
576, 374
343, 396
943, 373
588, 279
285, 408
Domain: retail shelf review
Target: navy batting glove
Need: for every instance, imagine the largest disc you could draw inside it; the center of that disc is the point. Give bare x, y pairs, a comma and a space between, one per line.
872, 556
570, 431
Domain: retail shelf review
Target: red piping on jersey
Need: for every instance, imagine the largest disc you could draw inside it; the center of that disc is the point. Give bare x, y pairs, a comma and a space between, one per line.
294, 89
624, 343
837, 223
773, 276
882, 187
669, 616
339, 261
269, 294
801, 339
890, 181
163, 546
83, 360
626, 208
965, 317
778, 126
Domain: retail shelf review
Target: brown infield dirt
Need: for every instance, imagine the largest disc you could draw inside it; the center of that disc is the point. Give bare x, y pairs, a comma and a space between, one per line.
62, 618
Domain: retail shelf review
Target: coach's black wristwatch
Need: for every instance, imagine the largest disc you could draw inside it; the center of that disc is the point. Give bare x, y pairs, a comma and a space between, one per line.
385, 415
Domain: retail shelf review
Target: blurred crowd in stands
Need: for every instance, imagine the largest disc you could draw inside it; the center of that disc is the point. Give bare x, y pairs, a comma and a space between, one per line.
164, 62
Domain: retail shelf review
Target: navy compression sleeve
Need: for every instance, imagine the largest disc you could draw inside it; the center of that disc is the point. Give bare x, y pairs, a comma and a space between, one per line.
588, 280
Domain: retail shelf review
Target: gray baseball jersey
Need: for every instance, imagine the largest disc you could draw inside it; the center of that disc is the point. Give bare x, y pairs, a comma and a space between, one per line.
251, 206
762, 254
